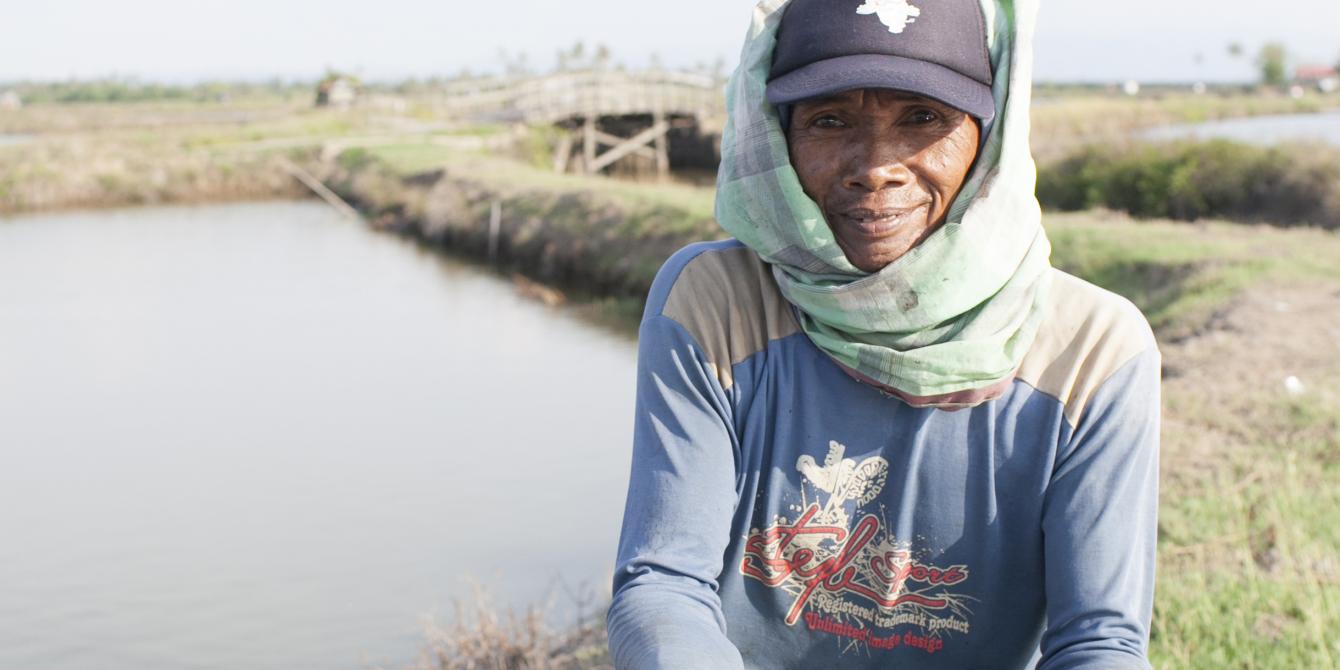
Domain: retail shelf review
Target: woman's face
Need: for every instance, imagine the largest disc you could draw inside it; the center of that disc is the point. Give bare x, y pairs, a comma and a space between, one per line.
883, 165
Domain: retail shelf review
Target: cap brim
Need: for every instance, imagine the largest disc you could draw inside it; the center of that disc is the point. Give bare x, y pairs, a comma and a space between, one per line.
835, 75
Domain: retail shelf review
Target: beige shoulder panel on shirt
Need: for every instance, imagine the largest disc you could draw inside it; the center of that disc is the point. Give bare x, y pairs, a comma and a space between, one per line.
727, 300
1087, 335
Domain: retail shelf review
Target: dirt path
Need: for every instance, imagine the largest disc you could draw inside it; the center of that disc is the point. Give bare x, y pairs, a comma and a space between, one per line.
1267, 349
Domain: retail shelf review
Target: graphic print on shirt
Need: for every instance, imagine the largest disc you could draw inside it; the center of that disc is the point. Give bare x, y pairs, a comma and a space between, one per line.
848, 574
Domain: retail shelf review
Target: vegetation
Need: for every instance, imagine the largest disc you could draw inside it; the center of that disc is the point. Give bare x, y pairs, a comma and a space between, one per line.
1180, 275
1287, 185
97, 154
483, 638
1273, 60
125, 90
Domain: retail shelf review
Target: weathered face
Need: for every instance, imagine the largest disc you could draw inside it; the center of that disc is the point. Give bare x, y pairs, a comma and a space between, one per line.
883, 166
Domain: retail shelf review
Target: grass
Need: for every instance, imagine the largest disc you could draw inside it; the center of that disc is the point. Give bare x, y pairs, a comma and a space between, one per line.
1179, 273
483, 638
1248, 565
92, 155
511, 177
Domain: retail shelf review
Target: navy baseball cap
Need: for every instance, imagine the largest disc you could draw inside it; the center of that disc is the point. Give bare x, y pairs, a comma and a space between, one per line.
935, 48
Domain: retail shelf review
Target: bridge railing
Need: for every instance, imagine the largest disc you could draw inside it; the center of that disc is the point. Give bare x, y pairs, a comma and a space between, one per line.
566, 95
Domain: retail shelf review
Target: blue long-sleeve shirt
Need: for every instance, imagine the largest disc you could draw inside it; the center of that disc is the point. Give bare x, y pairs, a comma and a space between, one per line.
781, 514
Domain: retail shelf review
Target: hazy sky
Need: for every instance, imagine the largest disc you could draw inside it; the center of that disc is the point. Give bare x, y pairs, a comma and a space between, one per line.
176, 40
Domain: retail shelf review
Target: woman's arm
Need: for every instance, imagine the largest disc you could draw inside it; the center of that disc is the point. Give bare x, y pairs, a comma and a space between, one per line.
1100, 527
681, 498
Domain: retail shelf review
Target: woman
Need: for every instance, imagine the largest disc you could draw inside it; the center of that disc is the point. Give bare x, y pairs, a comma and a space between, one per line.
877, 428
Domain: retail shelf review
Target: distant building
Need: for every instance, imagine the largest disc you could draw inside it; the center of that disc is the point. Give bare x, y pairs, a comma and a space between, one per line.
336, 90
1321, 77
10, 100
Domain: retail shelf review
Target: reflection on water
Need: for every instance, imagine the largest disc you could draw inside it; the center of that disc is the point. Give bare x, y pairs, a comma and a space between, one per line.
1262, 130
261, 436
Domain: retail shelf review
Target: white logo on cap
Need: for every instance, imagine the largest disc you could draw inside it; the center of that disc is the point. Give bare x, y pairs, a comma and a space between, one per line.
896, 14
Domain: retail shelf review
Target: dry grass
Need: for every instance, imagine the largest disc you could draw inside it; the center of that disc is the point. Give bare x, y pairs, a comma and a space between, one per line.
483, 637
101, 155
84, 171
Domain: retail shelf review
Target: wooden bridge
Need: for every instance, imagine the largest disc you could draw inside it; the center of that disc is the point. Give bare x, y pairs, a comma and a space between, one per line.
606, 115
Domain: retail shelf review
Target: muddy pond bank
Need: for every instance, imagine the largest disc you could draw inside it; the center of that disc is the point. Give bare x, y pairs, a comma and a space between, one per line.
584, 241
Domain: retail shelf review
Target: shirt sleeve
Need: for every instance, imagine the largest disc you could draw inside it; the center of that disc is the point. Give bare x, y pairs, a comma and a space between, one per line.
1100, 527
681, 498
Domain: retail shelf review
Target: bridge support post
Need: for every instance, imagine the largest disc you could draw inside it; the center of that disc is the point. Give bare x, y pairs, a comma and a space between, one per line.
589, 144
650, 143
563, 153
662, 153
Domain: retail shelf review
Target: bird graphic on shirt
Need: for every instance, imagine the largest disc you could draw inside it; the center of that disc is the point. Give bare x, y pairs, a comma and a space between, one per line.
844, 479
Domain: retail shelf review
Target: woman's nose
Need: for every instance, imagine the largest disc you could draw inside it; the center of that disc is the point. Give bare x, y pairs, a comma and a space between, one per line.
876, 163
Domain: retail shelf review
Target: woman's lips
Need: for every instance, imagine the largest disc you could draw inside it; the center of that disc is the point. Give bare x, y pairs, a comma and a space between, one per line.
876, 223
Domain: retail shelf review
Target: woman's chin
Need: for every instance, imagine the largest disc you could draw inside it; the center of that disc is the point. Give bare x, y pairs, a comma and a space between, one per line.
872, 255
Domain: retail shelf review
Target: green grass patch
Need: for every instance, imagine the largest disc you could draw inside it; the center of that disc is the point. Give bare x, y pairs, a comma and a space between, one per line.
1249, 576
1221, 621
654, 207
1175, 272
693, 202
401, 159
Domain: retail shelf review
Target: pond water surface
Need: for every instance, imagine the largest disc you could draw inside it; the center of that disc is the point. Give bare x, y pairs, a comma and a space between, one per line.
7, 139
263, 436
1262, 130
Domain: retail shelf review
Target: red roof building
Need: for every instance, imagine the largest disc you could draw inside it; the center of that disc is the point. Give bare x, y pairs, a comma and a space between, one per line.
1324, 77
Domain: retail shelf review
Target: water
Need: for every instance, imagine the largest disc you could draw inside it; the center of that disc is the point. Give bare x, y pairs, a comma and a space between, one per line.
1262, 130
9, 139
262, 436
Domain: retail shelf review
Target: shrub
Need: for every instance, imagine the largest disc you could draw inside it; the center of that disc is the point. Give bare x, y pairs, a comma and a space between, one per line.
1285, 185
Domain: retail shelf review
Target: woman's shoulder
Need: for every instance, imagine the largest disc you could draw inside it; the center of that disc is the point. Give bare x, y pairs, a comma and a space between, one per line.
1087, 335
724, 296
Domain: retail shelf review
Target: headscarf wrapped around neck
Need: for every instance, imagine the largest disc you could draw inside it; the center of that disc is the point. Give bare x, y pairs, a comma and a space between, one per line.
945, 325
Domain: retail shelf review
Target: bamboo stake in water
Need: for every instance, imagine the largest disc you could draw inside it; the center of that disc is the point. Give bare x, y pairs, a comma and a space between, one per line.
320, 189
495, 222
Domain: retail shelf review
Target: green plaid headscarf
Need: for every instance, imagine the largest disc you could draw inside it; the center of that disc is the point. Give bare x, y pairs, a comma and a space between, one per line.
959, 310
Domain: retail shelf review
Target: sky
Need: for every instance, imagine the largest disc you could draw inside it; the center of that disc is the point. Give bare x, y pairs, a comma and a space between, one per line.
188, 40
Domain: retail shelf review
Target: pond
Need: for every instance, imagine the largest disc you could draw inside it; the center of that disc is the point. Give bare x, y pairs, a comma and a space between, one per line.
1262, 130
264, 436
10, 139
